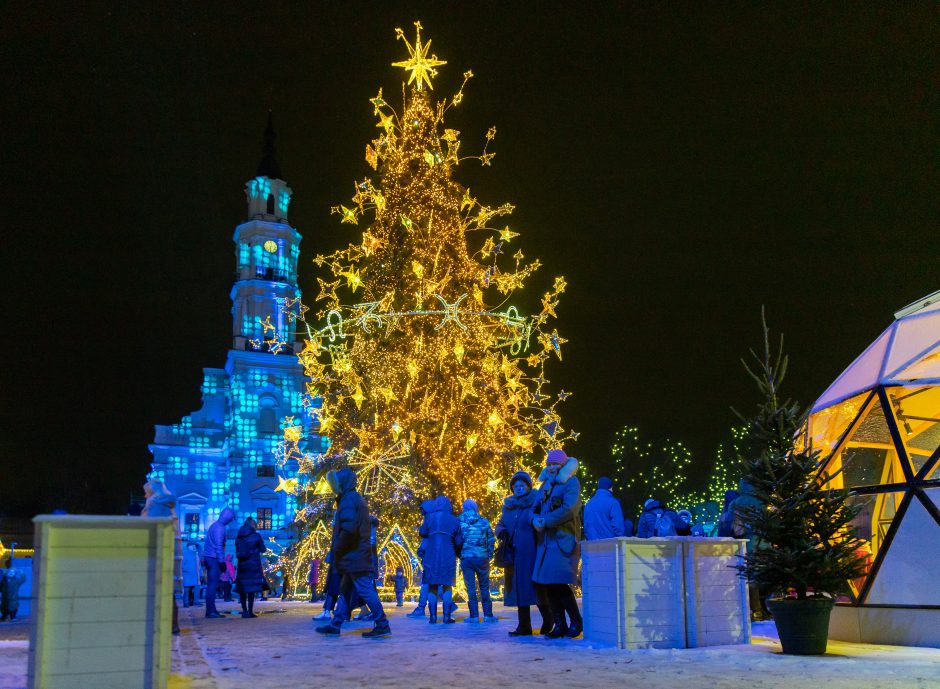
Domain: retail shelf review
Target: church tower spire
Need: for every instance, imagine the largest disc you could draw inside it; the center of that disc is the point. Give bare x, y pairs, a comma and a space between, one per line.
266, 259
268, 166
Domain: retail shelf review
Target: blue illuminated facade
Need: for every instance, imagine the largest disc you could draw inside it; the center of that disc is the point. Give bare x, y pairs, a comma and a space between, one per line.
225, 454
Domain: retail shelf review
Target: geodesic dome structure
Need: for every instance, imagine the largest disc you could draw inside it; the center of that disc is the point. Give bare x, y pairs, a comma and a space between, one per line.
879, 423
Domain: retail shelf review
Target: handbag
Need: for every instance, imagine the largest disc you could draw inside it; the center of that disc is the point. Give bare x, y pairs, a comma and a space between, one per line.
505, 554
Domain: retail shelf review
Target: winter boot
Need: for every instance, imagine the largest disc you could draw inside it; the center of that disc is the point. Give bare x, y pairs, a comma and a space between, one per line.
328, 630
380, 630
432, 614
490, 618
417, 612
524, 628
548, 619
574, 631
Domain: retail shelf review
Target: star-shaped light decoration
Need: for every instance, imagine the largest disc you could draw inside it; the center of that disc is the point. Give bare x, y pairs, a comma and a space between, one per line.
353, 280
466, 386
373, 468
421, 68
358, 397
288, 485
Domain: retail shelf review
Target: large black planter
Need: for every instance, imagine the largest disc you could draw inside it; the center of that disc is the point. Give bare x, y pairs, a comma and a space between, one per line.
803, 625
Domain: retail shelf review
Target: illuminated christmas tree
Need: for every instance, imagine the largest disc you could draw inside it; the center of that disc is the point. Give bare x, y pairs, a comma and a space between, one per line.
432, 382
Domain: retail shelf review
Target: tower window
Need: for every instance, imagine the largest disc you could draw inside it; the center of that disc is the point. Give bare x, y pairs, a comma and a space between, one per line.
267, 420
266, 471
270, 210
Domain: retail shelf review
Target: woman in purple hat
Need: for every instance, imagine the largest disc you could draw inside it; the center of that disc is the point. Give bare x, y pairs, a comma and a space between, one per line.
557, 523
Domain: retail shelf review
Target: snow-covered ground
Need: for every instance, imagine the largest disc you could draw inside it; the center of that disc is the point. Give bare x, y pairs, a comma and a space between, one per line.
280, 649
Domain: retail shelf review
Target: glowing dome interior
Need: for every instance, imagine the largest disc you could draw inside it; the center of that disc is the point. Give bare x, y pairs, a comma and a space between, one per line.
878, 425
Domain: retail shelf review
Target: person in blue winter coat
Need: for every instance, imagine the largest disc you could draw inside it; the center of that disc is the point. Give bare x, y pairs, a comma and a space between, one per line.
475, 555
213, 557
603, 516
250, 576
427, 507
191, 568
351, 552
657, 520
440, 557
517, 537
557, 523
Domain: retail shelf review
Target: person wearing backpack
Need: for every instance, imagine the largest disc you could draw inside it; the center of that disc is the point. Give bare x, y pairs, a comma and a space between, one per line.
657, 521
516, 555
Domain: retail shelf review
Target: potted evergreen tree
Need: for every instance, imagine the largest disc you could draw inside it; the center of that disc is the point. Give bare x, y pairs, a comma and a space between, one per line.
802, 548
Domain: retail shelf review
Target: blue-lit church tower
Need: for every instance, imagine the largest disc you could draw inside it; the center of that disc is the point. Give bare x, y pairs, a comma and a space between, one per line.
225, 453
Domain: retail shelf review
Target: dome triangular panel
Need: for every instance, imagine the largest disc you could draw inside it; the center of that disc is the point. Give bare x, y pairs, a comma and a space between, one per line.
907, 573
861, 375
916, 336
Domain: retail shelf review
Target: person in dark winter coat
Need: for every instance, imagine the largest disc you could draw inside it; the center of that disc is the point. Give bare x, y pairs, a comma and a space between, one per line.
250, 576
475, 555
557, 523
351, 553
688, 527
726, 519
401, 583
516, 535
11, 579
427, 507
603, 517
440, 557
657, 521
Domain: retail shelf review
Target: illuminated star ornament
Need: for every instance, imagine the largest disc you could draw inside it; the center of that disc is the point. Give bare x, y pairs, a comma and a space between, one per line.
421, 68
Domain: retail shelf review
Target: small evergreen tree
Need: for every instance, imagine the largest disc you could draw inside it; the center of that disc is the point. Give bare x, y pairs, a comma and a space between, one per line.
801, 531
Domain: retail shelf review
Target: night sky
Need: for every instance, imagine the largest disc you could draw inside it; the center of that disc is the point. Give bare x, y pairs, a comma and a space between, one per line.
681, 165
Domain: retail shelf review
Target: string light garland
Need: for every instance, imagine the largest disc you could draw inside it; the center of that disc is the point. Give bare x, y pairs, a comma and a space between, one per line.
431, 382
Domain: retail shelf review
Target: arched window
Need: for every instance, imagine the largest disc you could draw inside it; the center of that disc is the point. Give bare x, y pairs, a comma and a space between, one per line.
270, 204
267, 421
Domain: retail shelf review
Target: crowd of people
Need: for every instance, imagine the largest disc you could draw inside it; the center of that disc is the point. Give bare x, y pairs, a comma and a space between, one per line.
536, 542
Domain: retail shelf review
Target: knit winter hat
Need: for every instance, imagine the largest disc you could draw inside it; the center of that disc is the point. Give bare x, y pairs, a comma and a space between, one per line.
605, 483
556, 457
649, 503
686, 514
469, 504
521, 476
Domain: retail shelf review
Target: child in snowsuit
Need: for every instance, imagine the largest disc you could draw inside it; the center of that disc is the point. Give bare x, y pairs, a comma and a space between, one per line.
401, 583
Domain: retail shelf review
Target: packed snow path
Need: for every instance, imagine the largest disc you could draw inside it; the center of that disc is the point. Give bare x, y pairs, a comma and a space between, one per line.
279, 649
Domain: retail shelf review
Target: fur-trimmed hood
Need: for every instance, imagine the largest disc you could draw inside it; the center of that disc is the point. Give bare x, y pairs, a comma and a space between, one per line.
565, 473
